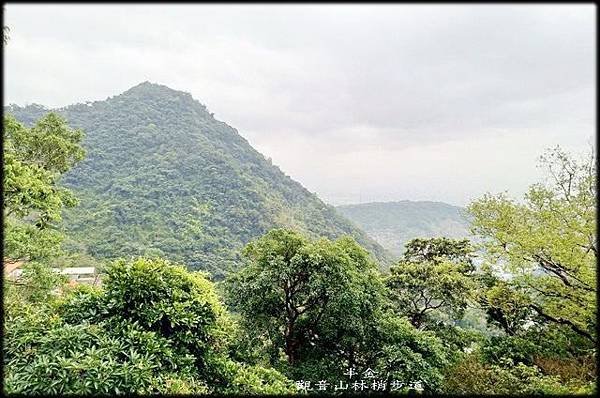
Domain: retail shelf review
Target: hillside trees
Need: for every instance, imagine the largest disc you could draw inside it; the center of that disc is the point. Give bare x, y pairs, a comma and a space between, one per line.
163, 177
301, 308
538, 285
393, 224
153, 327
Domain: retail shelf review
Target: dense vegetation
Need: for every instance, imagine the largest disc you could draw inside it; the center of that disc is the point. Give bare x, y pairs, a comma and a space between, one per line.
393, 224
162, 177
303, 313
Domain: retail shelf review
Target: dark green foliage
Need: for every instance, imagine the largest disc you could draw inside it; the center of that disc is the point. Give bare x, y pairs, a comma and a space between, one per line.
153, 328
393, 224
306, 295
456, 339
163, 177
435, 275
410, 355
316, 308
162, 298
505, 306
538, 341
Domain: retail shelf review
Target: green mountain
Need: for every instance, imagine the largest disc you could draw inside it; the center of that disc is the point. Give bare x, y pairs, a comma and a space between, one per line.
392, 224
163, 177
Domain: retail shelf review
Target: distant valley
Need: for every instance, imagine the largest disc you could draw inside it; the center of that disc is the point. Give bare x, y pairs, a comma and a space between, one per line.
392, 224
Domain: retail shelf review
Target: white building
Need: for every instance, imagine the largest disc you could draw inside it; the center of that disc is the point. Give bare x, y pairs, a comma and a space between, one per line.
87, 275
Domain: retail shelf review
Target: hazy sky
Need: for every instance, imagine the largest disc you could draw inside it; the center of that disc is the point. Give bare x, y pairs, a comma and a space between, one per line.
358, 103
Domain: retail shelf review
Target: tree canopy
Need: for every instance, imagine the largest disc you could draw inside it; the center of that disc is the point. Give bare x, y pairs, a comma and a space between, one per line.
548, 241
304, 293
34, 160
433, 275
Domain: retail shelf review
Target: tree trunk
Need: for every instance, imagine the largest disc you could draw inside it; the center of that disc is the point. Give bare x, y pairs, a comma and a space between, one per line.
291, 345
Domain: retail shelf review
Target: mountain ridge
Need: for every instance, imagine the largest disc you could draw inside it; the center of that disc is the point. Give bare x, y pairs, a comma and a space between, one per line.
163, 177
393, 224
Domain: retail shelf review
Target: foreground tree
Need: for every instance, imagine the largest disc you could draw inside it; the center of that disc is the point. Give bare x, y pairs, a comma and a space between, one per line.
153, 328
34, 160
538, 285
302, 294
317, 308
434, 275
547, 243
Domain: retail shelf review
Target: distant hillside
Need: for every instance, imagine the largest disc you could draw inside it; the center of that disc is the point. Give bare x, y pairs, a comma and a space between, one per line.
392, 224
163, 177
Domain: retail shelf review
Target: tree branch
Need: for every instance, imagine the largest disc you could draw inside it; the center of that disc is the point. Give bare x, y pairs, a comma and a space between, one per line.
563, 321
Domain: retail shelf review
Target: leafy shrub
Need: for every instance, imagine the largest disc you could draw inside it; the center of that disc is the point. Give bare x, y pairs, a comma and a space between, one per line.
472, 376
161, 297
85, 359
568, 369
45, 355
410, 355
179, 316
259, 380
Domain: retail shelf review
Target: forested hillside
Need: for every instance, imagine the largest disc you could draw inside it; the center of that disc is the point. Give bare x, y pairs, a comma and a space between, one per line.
393, 224
163, 177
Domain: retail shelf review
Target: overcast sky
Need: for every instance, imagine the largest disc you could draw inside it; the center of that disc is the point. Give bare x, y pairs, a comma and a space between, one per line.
358, 103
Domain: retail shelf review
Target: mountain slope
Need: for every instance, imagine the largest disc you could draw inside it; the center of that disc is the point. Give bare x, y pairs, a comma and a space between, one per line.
392, 224
163, 177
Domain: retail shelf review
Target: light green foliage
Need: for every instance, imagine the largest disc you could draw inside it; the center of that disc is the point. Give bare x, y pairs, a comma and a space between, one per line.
44, 355
23, 241
34, 159
39, 283
434, 275
548, 242
163, 298
50, 143
259, 380
163, 177
70, 344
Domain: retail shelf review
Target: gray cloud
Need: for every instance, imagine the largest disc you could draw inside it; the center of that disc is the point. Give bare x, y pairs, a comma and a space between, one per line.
398, 101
